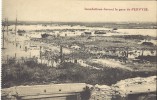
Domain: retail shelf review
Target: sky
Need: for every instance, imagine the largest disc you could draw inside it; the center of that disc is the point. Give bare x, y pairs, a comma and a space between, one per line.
74, 10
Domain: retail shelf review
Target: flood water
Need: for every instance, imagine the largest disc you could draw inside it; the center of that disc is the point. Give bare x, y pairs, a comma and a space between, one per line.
150, 32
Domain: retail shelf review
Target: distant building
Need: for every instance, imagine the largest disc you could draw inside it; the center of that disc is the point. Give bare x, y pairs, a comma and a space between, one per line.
86, 34
75, 47
99, 33
136, 53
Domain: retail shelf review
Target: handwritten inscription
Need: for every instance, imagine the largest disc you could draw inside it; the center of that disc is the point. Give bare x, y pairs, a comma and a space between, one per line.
116, 9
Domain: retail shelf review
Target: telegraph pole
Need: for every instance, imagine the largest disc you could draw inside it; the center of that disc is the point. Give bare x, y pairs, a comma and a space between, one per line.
15, 30
15, 25
40, 54
3, 30
7, 26
61, 53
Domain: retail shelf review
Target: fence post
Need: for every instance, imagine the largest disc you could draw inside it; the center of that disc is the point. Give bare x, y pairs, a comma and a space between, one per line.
78, 96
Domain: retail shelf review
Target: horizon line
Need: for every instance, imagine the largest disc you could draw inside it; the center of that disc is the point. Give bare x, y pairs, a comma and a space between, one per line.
85, 21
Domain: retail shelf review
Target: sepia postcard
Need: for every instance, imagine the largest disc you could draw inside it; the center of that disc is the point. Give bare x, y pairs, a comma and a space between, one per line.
79, 50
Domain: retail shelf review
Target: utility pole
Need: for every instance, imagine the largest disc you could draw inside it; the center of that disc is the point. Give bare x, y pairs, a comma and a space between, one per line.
40, 55
61, 53
15, 55
127, 52
6, 37
142, 52
3, 30
30, 54
7, 58
15, 25
40, 52
15, 30
3, 35
7, 26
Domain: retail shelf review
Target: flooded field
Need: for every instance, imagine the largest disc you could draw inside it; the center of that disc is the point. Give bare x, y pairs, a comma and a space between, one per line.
78, 50
71, 54
145, 32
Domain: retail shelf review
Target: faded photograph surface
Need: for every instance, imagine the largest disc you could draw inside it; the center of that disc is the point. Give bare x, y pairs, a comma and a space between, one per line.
79, 50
